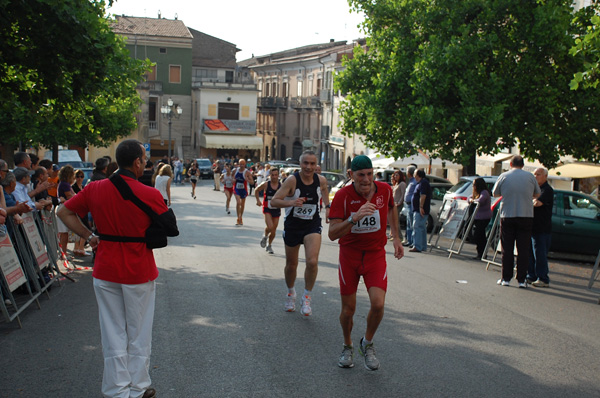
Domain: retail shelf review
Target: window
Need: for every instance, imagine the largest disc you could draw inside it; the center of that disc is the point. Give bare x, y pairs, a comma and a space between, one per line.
267, 89
162, 50
299, 92
152, 109
228, 76
285, 92
174, 74
274, 90
151, 76
207, 74
318, 87
578, 206
229, 111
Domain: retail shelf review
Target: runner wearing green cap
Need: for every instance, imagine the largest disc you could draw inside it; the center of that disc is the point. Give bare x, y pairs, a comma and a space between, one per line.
358, 218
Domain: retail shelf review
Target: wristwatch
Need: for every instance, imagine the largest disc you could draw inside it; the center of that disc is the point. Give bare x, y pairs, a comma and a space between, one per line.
328, 206
351, 221
89, 238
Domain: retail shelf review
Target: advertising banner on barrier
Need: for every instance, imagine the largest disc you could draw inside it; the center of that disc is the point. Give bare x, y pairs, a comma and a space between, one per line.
454, 219
35, 240
9, 264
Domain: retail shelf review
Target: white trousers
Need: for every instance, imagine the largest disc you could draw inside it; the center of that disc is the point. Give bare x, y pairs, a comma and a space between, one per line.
126, 316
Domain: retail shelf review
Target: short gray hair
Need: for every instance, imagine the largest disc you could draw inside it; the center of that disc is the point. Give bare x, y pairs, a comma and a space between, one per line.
10, 177
411, 170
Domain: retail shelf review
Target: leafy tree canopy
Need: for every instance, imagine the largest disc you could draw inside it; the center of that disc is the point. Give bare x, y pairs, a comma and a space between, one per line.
588, 46
460, 77
65, 77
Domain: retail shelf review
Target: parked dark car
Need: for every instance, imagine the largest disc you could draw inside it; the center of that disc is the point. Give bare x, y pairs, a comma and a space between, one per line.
575, 223
205, 168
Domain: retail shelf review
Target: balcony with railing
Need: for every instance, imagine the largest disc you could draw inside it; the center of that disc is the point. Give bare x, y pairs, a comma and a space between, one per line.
305, 102
273, 102
224, 85
152, 86
325, 96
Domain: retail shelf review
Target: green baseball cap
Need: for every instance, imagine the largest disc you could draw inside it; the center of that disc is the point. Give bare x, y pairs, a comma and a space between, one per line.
361, 162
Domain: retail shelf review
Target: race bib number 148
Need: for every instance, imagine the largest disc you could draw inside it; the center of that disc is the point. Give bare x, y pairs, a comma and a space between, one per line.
367, 224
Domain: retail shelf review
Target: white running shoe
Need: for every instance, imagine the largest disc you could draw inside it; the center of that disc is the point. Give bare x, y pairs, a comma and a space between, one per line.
270, 250
263, 242
290, 303
305, 309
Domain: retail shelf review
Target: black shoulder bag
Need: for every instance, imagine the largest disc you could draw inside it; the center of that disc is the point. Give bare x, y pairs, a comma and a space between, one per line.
163, 225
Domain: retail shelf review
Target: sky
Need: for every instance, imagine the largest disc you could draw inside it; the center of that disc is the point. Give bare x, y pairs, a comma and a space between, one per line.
256, 27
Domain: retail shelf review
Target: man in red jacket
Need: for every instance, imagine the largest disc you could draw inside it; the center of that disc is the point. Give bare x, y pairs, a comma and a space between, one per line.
124, 272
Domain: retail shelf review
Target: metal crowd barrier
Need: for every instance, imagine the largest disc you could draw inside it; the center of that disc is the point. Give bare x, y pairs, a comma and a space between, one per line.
29, 262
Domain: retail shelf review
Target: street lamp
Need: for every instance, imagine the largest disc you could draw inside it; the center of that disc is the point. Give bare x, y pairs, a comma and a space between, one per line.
170, 112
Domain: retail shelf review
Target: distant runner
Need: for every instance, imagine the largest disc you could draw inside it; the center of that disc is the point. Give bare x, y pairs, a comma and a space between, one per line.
243, 178
227, 180
271, 214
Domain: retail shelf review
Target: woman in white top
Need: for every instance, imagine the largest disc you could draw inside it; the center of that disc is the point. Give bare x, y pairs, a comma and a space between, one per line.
227, 180
163, 183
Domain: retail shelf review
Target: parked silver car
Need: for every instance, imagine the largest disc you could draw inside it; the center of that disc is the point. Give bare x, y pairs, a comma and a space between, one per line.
464, 188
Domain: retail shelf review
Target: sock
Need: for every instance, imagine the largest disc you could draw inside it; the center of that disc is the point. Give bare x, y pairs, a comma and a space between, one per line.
307, 292
292, 291
365, 342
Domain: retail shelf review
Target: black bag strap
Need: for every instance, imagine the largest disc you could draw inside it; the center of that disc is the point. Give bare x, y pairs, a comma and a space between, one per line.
127, 194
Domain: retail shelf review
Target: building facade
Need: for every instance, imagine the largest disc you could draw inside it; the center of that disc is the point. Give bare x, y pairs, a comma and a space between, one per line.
224, 119
297, 106
168, 45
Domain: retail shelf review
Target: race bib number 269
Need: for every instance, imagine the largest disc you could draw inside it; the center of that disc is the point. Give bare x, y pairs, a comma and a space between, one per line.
306, 212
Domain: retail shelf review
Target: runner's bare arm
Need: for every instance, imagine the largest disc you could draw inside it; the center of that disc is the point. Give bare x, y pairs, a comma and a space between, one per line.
249, 177
257, 192
393, 221
338, 228
287, 189
325, 196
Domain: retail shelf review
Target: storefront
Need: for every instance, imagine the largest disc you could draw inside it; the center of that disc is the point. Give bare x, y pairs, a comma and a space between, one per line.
229, 139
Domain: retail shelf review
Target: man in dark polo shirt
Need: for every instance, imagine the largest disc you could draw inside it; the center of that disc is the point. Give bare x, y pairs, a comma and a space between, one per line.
124, 272
421, 204
541, 231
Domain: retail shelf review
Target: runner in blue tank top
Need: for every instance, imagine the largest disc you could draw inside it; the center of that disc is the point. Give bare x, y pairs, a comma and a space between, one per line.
272, 214
242, 177
300, 195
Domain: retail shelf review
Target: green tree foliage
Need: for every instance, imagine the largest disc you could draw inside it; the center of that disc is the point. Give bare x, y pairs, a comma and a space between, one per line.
588, 47
459, 77
65, 77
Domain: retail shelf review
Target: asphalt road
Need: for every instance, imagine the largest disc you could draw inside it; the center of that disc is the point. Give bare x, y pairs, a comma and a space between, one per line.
220, 329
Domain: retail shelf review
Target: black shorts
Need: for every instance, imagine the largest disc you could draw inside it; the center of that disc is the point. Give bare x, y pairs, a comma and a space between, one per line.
296, 237
273, 212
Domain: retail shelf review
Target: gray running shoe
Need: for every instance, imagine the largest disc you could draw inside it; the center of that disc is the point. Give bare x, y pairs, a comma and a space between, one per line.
263, 242
371, 362
270, 250
346, 359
